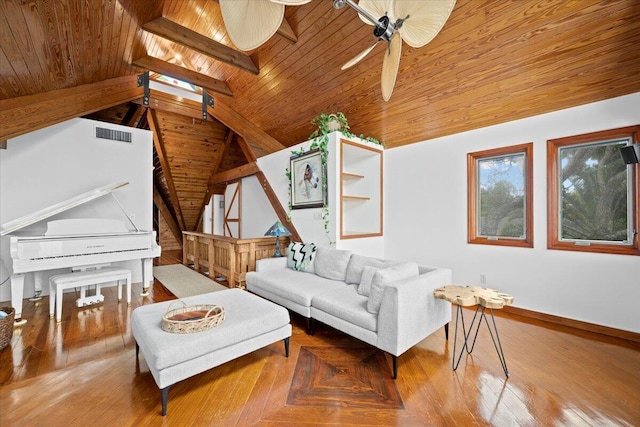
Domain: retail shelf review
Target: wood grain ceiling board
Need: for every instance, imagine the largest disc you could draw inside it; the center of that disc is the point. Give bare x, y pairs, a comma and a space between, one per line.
233, 158
257, 149
192, 147
115, 114
493, 61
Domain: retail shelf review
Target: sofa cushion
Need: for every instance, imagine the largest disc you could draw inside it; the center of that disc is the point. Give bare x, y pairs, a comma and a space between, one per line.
348, 305
364, 288
332, 263
386, 276
357, 264
292, 285
300, 256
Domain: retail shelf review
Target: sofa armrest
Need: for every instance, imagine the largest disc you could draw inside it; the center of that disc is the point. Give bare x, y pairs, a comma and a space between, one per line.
267, 264
409, 312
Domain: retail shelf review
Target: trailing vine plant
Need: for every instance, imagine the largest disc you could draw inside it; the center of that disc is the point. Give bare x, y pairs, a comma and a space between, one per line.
325, 124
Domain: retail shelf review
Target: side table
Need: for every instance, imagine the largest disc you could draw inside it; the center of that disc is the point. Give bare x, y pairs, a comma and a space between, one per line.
482, 298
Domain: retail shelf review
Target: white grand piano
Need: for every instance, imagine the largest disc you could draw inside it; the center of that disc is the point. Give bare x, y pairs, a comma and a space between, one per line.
75, 242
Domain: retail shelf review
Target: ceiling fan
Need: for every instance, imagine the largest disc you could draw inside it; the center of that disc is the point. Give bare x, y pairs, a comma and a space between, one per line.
250, 23
416, 22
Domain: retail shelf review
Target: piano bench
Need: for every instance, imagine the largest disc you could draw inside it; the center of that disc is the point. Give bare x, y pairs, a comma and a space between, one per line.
60, 282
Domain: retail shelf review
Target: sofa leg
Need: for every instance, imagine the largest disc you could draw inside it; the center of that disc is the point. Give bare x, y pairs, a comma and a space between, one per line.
286, 347
446, 331
311, 326
137, 350
394, 359
165, 398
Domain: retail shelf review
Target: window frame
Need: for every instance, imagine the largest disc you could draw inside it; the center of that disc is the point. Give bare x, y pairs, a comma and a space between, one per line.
472, 196
553, 223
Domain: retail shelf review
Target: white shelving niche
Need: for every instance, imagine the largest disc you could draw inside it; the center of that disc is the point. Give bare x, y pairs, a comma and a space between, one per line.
360, 190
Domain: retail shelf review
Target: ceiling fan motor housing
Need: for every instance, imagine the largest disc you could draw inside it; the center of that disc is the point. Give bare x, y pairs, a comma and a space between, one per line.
384, 29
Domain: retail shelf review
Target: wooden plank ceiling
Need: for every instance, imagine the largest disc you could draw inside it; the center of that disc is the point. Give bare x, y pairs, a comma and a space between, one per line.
493, 62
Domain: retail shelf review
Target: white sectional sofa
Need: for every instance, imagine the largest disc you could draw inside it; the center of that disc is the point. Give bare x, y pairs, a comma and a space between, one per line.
387, 304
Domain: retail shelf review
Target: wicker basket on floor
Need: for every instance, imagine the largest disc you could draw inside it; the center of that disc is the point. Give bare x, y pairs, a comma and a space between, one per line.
6, 327
196, 318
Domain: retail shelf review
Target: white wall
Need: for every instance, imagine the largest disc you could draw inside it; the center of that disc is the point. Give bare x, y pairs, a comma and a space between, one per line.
50, 165
257, 213
426, 219
217, 210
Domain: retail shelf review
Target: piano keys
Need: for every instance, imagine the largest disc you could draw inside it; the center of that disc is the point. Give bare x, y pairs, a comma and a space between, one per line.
75, 242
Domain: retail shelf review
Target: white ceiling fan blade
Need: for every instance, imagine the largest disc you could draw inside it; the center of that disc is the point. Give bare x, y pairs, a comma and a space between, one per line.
359, 56
291, 2
426, 19
390, 66
375, 8
250, 23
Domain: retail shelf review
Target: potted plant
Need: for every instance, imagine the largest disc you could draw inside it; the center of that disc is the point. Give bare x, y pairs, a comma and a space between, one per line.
326, 123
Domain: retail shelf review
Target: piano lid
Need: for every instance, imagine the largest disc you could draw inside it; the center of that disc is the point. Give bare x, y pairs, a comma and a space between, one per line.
50, 211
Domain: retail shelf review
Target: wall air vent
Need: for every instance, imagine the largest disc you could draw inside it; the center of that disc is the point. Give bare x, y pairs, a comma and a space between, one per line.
113, 135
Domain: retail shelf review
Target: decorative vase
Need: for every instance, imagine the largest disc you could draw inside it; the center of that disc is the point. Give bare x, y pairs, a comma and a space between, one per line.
333, 124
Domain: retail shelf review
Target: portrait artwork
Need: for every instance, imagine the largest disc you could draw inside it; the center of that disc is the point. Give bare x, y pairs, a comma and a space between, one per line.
306, 180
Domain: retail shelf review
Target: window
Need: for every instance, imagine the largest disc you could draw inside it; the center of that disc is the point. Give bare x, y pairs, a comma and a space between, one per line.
177, 83
500, 196
592, 193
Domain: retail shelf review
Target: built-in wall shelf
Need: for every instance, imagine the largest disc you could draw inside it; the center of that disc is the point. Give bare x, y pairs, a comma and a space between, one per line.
351, 176
351, 198
360, 190
357, 233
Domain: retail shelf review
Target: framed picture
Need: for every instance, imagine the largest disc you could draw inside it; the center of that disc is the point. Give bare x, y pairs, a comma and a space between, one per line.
306, 180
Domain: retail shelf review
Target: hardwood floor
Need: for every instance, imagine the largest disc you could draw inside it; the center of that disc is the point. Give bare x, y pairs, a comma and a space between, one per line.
83, 371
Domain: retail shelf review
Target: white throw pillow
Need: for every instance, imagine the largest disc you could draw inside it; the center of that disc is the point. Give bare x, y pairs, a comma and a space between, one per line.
386, 276
356, 265
332, 263
300, 256
364, 288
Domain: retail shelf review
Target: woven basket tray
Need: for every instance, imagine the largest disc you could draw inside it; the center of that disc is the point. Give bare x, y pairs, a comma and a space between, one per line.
6, 326
195, 318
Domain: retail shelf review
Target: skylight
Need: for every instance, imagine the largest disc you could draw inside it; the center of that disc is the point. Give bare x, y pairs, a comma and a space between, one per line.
177, 83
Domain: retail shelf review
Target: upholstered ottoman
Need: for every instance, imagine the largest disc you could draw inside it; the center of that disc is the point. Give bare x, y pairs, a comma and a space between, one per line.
250, 324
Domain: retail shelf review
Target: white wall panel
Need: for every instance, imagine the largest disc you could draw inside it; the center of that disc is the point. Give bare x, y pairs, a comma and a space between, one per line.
426, 218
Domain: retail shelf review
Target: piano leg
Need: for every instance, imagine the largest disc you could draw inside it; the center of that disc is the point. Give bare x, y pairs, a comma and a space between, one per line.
37, 283
17, 290
147, 276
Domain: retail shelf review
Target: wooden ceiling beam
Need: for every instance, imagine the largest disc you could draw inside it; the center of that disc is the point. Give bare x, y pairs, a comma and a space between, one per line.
166, 214
133, 113
277, 206
243, 127
172, 104
181, 73
236, 173
176, 33
158, 142
32, 112
136, 116
246, 150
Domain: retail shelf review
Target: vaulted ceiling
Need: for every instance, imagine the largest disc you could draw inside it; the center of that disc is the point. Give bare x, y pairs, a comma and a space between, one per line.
494, 61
